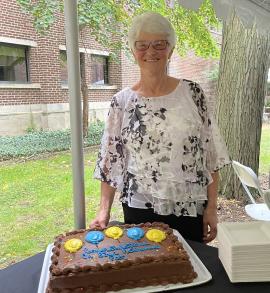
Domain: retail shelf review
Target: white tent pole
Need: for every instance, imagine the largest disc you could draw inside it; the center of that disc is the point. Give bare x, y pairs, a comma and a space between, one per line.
73, 62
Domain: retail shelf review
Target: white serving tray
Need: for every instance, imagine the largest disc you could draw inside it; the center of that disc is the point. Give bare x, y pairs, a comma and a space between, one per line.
203, 274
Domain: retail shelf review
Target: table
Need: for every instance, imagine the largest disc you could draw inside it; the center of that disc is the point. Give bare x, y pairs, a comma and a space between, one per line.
23, 277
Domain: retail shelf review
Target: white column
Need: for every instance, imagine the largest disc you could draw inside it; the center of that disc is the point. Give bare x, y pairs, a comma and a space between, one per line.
73, 62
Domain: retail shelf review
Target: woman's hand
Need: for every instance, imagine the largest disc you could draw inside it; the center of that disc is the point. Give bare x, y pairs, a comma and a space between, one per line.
210, 219
209, 224
101, 220
106, 200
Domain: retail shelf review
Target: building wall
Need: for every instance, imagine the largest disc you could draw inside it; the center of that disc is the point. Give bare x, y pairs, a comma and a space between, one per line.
45, 87
43, 103
196, 69
130, 70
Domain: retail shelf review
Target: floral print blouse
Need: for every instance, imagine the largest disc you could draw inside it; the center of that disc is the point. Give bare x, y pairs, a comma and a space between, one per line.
159, 152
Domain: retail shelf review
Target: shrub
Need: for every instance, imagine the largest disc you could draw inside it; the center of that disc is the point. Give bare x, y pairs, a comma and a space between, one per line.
44, 141
94, 133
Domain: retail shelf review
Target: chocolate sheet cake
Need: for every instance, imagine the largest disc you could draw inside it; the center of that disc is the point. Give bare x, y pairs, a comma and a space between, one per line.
118, 257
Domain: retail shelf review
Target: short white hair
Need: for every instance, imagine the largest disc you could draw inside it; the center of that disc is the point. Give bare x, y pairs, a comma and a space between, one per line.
153, 23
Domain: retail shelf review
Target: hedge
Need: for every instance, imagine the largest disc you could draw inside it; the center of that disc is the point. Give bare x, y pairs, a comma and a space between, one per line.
45, 141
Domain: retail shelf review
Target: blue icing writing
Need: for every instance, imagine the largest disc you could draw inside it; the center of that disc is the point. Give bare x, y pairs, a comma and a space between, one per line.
139, 249
86, 256
118, 252
116, 256
90, 250
102, 254
135, 233
112, 248
94, 237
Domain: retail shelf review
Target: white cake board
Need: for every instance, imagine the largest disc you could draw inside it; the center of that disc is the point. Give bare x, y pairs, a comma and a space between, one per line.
203, 274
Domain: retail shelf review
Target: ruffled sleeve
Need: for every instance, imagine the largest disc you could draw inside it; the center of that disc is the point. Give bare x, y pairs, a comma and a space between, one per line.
217, 155
111, 159
214, 145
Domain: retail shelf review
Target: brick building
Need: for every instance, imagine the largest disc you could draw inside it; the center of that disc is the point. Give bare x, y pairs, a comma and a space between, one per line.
33, 73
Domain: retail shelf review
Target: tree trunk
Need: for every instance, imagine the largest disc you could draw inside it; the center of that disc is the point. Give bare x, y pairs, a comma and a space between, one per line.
84, 89
241, 91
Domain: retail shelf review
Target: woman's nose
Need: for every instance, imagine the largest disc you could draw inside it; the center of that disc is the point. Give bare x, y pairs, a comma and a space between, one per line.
151, 49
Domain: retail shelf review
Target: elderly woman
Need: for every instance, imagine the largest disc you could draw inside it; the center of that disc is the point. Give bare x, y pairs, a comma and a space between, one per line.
160, 148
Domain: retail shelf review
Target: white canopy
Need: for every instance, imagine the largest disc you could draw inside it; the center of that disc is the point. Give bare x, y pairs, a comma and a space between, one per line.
250, 12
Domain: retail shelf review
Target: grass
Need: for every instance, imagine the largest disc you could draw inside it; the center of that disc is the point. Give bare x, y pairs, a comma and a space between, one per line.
37, 203
265, 150
36, 200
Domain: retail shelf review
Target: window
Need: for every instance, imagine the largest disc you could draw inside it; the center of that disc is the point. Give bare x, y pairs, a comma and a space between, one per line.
64, 67
99, 69
63, 64
13, 63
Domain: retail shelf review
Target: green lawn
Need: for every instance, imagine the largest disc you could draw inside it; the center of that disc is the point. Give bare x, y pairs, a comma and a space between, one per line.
265, 150
36, 200
36, 204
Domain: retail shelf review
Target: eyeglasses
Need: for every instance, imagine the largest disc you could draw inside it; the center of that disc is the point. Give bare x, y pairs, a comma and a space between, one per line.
157, 45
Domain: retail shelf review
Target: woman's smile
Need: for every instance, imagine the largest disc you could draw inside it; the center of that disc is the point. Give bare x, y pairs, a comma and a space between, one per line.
151, 59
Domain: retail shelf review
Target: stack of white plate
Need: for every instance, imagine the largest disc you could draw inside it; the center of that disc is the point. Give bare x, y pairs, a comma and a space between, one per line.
244, 250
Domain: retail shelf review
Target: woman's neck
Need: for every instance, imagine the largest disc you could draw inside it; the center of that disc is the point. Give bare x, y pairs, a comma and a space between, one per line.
152, 85
155, 85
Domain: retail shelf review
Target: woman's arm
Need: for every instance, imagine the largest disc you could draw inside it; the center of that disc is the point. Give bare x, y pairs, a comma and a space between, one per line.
106, 200
210, 212
111, 160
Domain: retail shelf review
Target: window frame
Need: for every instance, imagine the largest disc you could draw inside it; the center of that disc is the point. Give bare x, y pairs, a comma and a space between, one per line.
106, 76
26, 61
62, 82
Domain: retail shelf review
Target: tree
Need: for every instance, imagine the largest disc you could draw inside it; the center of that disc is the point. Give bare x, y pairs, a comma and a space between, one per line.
244, 64
108, 21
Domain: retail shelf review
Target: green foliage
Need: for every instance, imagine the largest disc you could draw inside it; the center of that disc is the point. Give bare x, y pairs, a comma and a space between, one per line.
95, 133
44, 141
192, 28
265, 150
108, 21
42, 11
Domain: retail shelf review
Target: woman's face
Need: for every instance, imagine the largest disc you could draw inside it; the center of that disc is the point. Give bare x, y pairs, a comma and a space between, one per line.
152, 51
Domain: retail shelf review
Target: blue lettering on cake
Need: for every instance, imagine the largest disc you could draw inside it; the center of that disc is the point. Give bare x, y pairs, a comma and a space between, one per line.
112, 248
86, 256
118, 252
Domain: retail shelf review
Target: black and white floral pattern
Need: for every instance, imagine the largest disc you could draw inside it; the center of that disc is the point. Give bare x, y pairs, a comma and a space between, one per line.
160, 152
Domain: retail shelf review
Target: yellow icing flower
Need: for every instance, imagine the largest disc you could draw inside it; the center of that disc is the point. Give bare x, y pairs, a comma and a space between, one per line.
155, 235
73, 245
114, 232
